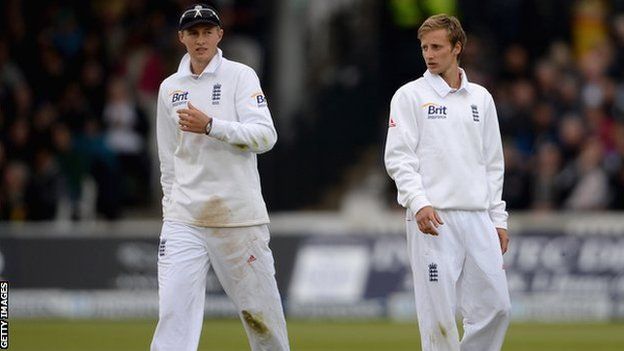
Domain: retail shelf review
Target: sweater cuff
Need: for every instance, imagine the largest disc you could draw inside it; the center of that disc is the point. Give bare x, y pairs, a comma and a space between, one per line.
418, 202
499, 220
219, 129
500, 225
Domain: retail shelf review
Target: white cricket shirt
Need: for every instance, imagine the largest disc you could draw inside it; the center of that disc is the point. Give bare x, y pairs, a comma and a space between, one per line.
444, 149
212, 180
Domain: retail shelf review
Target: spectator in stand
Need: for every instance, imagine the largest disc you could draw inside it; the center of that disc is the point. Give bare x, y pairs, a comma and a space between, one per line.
126, 133
547, 77
43, 191
568, 100
73, 167
13, 191
44, 117
104, 168
543, 125
544, 190
51, 78
92, 83
516, 185
516, 65
74, 109
522, 102
584, 181
572, 134
15, 95
18, 145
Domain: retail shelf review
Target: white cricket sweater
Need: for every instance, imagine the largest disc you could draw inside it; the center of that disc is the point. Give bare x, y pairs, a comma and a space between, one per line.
444, 149
212, 180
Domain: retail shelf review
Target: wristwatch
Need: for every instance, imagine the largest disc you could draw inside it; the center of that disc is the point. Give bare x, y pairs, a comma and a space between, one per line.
208, 127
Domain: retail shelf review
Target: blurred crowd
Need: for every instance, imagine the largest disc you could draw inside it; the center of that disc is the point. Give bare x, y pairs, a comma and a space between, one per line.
561, 113
556, 72
76, 83
78, 86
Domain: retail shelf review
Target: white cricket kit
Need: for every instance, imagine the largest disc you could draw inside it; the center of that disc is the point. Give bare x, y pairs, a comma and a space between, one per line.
213, 181
243, 262
213, 210
444, 150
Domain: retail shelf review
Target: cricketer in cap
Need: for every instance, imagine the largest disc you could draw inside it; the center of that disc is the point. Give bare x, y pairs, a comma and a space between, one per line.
212, 121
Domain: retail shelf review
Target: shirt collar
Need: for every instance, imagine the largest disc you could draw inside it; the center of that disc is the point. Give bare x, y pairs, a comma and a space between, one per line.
441, 87
184, 67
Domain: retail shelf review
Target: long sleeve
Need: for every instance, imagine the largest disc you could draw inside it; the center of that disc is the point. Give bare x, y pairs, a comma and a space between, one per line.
402, 162
254, 130
166, 134
495, 166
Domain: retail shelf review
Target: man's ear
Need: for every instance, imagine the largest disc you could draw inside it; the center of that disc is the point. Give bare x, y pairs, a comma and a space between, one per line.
458, 48
180, 36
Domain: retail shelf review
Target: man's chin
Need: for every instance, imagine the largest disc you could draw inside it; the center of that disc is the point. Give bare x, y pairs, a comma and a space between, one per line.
203, 57
434, 70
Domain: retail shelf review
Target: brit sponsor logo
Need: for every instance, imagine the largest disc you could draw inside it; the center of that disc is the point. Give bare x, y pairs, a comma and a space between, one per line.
179, 97
435, 111
260, 99
433, 272
475, 113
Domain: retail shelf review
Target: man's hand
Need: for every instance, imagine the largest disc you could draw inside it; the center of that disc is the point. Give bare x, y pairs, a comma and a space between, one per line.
193, 120
503, 238
428, 220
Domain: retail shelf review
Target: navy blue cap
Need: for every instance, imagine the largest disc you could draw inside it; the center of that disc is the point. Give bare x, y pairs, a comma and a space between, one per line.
199, 14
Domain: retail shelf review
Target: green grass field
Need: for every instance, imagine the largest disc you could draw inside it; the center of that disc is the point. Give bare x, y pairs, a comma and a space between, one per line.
228, 335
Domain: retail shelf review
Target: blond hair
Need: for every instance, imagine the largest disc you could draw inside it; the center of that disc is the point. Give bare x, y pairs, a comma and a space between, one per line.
452, 25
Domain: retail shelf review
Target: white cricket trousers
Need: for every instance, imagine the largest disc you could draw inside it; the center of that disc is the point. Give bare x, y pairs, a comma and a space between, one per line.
242, 261
460, 270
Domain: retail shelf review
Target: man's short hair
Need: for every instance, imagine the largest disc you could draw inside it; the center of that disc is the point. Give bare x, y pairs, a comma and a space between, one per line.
452, 25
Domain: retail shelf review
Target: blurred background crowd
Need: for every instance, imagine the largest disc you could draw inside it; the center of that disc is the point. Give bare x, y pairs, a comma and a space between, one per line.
79, 79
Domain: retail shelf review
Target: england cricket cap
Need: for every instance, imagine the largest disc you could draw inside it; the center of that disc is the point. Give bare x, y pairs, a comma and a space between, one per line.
199, 14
